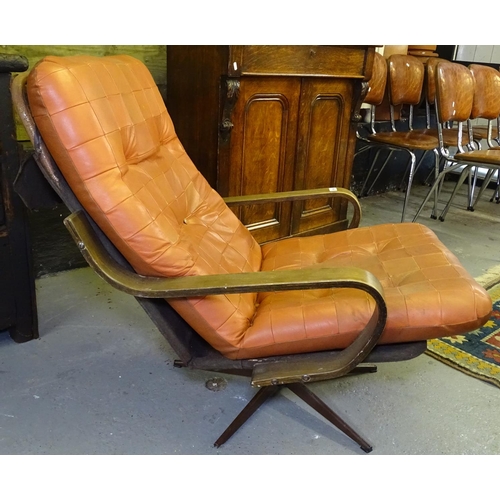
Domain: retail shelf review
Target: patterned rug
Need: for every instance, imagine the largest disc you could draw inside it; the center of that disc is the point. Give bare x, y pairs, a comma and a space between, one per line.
476, 353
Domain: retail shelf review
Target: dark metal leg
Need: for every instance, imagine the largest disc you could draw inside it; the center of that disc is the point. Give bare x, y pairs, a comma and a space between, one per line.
360, 369
247, 412
317, 404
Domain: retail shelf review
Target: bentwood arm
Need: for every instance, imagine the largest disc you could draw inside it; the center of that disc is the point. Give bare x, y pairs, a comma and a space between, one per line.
194, 286
306, 194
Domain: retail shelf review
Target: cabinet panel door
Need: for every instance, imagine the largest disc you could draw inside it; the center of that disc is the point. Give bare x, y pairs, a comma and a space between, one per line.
322, 151
262, 148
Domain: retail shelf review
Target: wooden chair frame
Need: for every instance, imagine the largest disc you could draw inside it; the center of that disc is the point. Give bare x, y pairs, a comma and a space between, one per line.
267, 374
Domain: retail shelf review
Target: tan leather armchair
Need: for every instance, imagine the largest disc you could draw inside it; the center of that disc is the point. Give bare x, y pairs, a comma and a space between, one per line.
287, 313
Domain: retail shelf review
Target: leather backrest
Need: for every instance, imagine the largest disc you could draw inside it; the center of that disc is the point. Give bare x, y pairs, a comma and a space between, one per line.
405, 79
454, 92
106, 125
486, 103
377, 83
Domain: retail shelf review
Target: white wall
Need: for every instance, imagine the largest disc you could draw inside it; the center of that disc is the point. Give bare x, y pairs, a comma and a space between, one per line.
478, 53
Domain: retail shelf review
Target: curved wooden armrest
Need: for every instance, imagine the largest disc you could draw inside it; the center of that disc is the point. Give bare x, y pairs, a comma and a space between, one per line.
266, 373
325, 365
305, 194
195, 286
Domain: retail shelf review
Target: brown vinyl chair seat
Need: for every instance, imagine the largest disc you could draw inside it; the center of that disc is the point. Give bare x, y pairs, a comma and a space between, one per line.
449, 136
411, 139
416, 270
483, 156
480, 132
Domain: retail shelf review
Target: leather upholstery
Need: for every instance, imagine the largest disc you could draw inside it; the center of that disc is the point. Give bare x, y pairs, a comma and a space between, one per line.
107, 128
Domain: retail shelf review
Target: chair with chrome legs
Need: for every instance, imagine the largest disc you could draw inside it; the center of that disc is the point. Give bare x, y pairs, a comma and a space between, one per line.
374, 96
405, 81
449, 133
462, 95
285, 314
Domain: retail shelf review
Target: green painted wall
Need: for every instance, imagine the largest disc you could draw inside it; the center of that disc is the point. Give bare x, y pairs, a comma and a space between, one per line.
153, 56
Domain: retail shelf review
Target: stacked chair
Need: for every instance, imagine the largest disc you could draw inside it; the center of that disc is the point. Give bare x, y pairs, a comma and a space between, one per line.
449, 133
405, 83
285, 314
462, 95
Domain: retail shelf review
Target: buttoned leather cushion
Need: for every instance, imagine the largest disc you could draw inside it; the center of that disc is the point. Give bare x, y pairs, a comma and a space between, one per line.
106, 125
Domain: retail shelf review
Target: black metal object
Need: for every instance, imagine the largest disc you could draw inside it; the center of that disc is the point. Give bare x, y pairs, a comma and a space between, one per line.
18, 313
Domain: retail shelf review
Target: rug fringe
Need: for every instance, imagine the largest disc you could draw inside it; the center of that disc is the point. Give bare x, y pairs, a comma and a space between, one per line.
490, 278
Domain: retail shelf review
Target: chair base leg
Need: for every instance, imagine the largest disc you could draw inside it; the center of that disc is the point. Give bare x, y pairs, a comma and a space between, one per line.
300, 390
262, 395
314, 402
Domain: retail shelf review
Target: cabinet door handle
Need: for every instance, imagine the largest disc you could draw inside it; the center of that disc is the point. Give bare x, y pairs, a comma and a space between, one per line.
232, 92
226, 125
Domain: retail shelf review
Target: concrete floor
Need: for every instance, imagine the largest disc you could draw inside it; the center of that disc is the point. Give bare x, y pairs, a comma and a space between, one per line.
101, 380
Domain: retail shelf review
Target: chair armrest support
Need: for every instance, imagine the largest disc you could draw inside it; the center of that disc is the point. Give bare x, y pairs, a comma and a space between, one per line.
266, 373
306, 194
195, 286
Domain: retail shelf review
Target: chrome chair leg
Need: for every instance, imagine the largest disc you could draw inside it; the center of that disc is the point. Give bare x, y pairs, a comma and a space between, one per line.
485, 184
463, 175
413, 160
378, 175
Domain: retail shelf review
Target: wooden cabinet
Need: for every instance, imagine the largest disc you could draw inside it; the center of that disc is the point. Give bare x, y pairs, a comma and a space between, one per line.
259, 119
18, 313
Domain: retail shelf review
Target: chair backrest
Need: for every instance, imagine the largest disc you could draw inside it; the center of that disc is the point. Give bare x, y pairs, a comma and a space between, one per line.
377, 83
430, 86
105, 123
376, 90
406, 79
454, 92
454, 97
430, 78
486, 102
405, 84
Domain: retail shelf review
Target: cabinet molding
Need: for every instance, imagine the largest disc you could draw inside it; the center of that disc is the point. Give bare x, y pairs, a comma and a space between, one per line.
259, 118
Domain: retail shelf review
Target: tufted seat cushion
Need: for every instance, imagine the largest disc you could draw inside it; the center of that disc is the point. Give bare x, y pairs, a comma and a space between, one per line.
428, 292
107, 127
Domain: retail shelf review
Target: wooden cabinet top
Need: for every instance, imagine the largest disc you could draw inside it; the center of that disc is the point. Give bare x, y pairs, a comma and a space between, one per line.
341, 61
